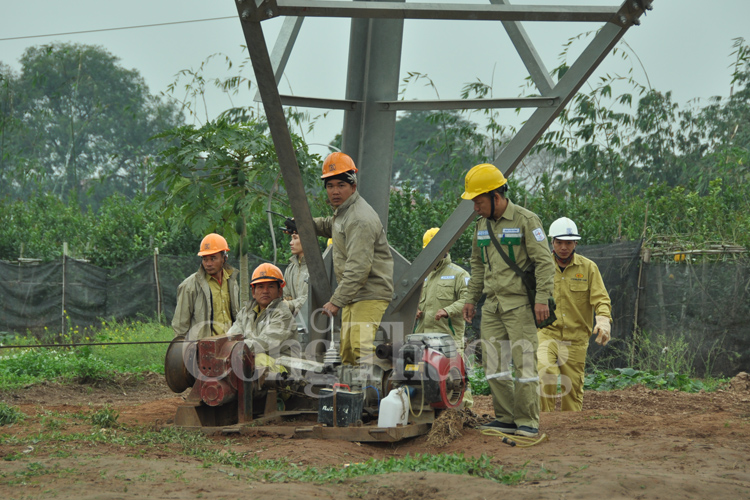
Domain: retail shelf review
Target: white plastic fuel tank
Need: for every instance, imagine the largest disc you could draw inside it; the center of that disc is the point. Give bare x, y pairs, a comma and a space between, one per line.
394, 409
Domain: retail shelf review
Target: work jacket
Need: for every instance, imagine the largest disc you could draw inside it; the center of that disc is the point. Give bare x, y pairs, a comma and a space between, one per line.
522, 230
272, 331
580, 295
362, 260
444, 288
297, 278
194, 311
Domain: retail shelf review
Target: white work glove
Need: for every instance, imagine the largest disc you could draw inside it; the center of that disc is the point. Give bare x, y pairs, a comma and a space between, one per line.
602, 330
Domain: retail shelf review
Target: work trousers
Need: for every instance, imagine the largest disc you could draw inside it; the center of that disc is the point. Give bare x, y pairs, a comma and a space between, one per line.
566, 360
359, 322
506, 336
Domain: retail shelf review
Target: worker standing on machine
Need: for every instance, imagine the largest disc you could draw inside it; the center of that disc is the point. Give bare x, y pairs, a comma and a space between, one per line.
362, 260
581, 297
442, 301
267, 322
208, 300
508, 241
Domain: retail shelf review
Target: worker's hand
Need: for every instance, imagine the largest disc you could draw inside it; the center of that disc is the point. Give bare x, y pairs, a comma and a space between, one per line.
541, 312
602, 330
468, 312
330, 309
420, 313
441, 314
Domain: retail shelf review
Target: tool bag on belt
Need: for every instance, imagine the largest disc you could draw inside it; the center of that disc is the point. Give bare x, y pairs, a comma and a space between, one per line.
529, 281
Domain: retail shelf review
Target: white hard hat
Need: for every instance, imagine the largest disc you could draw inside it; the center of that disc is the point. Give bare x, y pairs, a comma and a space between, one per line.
564, 229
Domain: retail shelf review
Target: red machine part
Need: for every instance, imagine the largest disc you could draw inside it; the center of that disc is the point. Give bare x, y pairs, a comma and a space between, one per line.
451, 374
223, 362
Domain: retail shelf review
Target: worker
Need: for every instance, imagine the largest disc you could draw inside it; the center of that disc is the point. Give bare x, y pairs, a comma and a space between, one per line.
442, 301
266, 321
208, 300
581, 300
295, 274
508, 328
362, 260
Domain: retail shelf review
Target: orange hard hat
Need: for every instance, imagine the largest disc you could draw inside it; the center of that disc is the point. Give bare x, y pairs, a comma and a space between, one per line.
267, 272
337, 163
213, 243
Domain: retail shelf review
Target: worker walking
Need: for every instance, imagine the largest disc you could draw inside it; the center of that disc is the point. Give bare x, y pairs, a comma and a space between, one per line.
208, 300
266, 321
362, 260
508, 240
442, 301
581, 298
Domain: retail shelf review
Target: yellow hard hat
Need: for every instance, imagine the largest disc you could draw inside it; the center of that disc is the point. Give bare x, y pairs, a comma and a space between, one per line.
481, 179
428, 235
330, 242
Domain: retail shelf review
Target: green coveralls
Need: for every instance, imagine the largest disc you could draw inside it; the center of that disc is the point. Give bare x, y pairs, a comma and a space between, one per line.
445, 288
508, 330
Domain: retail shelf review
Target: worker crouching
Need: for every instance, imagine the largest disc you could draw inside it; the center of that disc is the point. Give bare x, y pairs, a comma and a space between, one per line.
267, 322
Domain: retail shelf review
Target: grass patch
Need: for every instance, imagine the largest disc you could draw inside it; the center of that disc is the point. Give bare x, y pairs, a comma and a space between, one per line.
620, 378
194, 444
10, 414
29, 365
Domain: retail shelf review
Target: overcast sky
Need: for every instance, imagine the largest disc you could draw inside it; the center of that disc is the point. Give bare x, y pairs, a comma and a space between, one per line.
684, 46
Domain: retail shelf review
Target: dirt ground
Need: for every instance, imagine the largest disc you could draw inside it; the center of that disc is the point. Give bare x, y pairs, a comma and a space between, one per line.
636, 443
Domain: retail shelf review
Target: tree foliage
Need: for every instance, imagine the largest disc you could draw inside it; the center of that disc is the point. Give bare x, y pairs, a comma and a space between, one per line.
76, 122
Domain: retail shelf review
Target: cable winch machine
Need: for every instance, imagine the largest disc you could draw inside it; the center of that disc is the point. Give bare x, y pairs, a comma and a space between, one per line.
394, 394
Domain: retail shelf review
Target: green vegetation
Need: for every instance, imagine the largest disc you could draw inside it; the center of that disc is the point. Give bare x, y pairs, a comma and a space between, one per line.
9, 414
106, 418
620, 378
200, 447
22, 366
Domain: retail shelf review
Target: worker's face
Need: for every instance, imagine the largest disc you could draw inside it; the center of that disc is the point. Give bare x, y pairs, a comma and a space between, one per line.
295, 244
483, 204
213, 263
266, 292
563, 248
339, 191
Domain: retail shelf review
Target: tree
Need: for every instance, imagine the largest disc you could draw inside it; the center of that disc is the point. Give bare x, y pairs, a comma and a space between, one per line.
222, 176
76, 121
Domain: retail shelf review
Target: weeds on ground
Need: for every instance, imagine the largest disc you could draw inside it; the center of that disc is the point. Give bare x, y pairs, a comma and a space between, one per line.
28, 365
9, 414
620, 378
106, 418
196, 445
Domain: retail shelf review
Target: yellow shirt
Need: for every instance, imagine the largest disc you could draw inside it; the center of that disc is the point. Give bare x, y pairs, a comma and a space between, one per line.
579, 294
221, 312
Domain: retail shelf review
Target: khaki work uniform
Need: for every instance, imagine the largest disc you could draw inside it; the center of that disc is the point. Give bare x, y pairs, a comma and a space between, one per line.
297, 278
363, 266
271, 331
580, 294
508, 329
445, 288
198, 309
